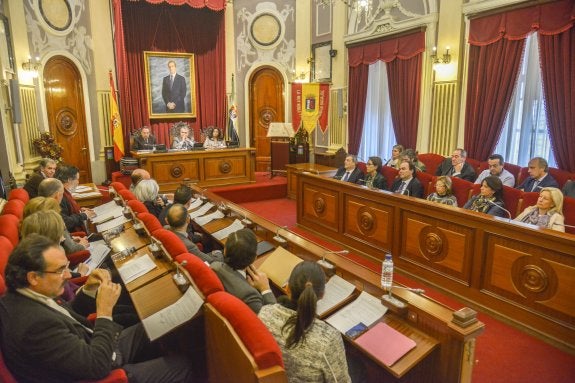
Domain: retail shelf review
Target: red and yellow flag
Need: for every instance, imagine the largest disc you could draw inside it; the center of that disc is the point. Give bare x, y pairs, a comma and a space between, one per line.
116, 123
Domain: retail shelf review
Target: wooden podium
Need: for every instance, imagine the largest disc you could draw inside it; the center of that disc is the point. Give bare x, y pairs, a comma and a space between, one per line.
280, 133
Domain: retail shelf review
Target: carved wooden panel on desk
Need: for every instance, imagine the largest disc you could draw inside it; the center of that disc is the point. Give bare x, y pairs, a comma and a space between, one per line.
320, 206
438, 245
217, 168
529, 275
170, 170
369, 223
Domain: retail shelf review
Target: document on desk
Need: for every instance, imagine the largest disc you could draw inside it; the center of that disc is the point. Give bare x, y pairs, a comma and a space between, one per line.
114, 212
107, 225
385, 343
174, 315
209, 217
82, 189
279, 265
88, 194
106, 207
201, 211
136, 267
224, 233
98, 252
195, 204
337, 290
366, 309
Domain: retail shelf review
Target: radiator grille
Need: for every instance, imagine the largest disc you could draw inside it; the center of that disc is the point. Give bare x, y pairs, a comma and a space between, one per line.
30, 124
443, 132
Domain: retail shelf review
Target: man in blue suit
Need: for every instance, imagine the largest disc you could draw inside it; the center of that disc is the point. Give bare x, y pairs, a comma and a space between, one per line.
174, 90
538, 176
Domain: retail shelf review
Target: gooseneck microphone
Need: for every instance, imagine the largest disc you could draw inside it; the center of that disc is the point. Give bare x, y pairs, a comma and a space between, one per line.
324, 263
278, 238
502, 208
412, 289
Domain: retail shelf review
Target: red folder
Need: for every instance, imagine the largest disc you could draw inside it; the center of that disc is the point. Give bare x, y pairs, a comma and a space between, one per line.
385, 343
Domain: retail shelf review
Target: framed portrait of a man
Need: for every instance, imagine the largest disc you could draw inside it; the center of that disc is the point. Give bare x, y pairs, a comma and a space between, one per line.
170, 84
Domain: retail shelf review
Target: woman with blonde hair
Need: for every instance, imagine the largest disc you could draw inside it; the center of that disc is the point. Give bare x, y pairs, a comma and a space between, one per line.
547, 212
443, 193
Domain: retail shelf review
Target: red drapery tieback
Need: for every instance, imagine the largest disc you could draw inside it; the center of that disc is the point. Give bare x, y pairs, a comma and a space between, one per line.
214, 5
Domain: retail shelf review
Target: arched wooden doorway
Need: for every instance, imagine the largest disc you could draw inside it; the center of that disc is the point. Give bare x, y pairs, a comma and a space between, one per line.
66, 116
266, 105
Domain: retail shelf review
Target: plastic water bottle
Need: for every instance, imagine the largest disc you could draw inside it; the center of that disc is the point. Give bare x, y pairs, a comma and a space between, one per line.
387, 273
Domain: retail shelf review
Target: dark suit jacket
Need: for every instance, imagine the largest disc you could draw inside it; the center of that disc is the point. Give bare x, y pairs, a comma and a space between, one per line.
548, 181
379, 181
467, 172
41, 344
498, 211
193, 248
175, 93
31, 186
413, 188
236, 284
141, 144
355, 177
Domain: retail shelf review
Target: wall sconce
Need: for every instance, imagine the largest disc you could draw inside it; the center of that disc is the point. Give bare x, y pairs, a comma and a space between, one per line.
445, 59
32, 67
332, 52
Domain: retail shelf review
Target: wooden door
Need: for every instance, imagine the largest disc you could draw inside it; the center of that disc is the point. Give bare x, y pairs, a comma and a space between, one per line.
66, 116
266, 105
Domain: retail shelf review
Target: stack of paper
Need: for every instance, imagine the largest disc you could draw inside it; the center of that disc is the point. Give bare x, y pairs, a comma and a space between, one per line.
195, 204
279, 265
98, 252
366, 309
224, 233
201, 211
337, 290
83, 188
111, 224
106, 207
136, 267
209, 217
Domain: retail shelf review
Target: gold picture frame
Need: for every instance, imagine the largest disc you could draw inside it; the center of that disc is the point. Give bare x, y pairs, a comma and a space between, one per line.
165, 93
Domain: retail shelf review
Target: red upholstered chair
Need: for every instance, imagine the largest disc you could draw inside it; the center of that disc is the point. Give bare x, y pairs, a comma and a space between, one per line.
9, 228
561, 176
476, 164
172, 243
426, 179
6, 248
390, 175
569, 213
513, 169
240, 348
118, 186
461, 189
20, 194
78, 256
137, 206
512, 199
126, 195
15, 207
528, 199
362, 167
150, 221
431, 161
523, 174
122, 178
204, 277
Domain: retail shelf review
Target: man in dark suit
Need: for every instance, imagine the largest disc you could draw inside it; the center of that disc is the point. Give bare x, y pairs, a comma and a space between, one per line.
406, 183
44, 340
238, 275
538, 176
178, 221
144, 141
47, 169
456, 166
350, 172
174, 90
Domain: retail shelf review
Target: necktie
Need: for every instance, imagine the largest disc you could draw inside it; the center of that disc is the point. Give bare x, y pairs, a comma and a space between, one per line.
171, 81
346, 176
535, 186
402, 187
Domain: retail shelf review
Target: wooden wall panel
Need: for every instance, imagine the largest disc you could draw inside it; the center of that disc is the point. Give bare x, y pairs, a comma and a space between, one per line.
167, 171
216, 168
321, 207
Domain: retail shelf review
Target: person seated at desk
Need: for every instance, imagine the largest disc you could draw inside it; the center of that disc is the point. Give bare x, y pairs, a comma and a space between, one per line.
547, 213
411, 156
490, 198
147, 192
349, 172
44, 340
395, 159
443, 193
312, 350
538, 176
74, 215
138, 175
406, 183
46, 169
455, 166
183, 141
374, 179
183, 195
238, 275
496, 163
214, 139
178, 221
144, 140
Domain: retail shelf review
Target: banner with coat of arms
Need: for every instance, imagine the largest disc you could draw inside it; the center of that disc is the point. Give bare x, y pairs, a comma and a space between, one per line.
310, 106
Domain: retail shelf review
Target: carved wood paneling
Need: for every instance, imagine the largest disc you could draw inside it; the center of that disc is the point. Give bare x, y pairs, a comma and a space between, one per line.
321, 206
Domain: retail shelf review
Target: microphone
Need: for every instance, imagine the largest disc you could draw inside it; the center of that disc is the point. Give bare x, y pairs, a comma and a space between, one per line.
181, 282
502, 208
325, 263
412, 289
246, 222
338, 177
278, 238
564, 225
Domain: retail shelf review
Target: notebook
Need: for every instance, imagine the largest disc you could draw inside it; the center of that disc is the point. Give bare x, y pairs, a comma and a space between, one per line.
385, 343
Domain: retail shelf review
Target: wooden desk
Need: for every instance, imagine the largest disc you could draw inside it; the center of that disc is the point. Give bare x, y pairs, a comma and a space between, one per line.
163, 267
206, 168
452, 361
86, 199
294, 169
155, 296
129, 238
515, 271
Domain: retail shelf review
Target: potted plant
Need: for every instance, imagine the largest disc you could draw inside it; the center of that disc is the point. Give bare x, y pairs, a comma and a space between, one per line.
47, 147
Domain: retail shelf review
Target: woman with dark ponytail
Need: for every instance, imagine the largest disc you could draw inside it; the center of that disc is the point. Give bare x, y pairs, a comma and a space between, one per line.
312, 350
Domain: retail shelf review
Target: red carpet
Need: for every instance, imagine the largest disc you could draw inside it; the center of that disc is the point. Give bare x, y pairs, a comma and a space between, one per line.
503, 353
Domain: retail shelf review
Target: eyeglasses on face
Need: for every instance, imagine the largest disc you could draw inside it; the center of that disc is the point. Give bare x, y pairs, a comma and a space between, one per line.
62, 270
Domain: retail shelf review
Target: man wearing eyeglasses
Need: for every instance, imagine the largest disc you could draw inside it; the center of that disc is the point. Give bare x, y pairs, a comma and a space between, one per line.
44, 340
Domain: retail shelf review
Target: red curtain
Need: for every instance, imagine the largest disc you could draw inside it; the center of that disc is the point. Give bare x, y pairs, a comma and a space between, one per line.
403, 58
170, 28
496, 47
214, 5
558, 71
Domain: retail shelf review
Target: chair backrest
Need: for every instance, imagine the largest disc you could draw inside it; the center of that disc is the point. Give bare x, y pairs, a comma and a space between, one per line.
137, 206
20, 194
461, 189
513, 169
475, 164
362, 166
118, 186
426, 179
529, 199
15, 207
569, 213
512, 199
239, 346
6, 248
523, 174
204, 277
561, 176
390, 175
431, 161
9, 228
150, 221
172, 243
127, 195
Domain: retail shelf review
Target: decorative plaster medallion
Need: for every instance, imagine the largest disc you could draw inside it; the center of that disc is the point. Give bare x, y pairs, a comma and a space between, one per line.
433, 244
56, 13
266, 29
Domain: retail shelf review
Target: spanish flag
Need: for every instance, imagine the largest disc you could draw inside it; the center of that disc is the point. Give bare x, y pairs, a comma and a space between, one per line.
116, 123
